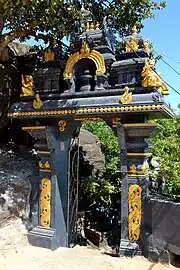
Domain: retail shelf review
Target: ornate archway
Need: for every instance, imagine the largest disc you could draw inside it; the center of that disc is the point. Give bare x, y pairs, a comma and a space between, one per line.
85, 52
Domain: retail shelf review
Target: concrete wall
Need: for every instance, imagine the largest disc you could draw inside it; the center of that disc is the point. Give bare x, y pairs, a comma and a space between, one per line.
161, 228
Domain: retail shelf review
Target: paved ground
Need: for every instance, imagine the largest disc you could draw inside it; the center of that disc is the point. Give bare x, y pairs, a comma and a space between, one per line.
16, 254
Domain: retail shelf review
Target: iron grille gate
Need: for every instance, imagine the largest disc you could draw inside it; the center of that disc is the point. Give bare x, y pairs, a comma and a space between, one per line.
73, 181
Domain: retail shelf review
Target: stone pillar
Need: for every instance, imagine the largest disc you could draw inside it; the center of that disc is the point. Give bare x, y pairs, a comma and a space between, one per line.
53, 150
133, 146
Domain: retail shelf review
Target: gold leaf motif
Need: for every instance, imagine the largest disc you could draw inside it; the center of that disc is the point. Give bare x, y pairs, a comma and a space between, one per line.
49, 55
134, 206
45, 165
37, 102
126, 98
132, 169
140, 170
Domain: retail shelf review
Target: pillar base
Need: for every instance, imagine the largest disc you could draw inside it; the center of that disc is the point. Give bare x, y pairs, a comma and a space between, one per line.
43, 237
129, 249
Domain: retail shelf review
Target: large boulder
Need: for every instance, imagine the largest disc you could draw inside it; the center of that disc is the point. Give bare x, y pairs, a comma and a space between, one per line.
19, 181
91, 145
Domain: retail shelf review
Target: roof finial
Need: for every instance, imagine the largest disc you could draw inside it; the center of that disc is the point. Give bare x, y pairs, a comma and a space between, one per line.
134, 29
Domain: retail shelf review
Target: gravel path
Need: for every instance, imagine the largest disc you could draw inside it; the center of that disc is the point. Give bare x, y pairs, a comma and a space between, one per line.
17, 254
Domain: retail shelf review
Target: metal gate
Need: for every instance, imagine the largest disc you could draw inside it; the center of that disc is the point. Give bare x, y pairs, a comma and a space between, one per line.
73, 181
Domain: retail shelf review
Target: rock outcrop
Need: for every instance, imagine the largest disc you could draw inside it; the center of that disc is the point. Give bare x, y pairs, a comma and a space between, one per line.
19, 182
18, 175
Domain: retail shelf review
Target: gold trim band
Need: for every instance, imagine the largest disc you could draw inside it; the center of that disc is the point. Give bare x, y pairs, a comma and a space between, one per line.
34, 128
138, 175
44, 170
141, 125
88, 110
43, 152
89, 119
139, 154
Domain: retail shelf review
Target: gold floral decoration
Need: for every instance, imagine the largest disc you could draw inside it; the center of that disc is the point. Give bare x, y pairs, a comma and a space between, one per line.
135, 211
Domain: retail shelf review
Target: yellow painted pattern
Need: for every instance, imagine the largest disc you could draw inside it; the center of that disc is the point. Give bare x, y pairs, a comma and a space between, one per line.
135, 211
88, 110
45, 203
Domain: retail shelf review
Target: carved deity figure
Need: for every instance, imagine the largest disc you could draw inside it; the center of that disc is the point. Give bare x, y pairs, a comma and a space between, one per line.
132, 44
151, 78
27, 88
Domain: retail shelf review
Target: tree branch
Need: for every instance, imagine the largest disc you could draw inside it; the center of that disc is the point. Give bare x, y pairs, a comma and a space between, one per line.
17, 33
41, 36
1, 26
45, 37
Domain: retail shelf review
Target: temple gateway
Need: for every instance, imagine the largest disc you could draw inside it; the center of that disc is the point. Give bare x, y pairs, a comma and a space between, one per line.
59, 92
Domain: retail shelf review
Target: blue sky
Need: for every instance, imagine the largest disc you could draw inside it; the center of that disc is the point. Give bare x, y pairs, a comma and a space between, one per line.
164, 33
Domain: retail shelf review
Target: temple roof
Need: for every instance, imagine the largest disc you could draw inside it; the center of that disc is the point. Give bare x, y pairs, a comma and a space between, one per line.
135, 42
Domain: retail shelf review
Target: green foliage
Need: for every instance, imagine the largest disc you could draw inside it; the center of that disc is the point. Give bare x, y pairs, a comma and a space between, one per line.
105, 191
128, 13
24, 18
167, 148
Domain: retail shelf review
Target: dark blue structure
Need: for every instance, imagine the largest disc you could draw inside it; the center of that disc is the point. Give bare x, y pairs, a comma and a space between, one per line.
93, 82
